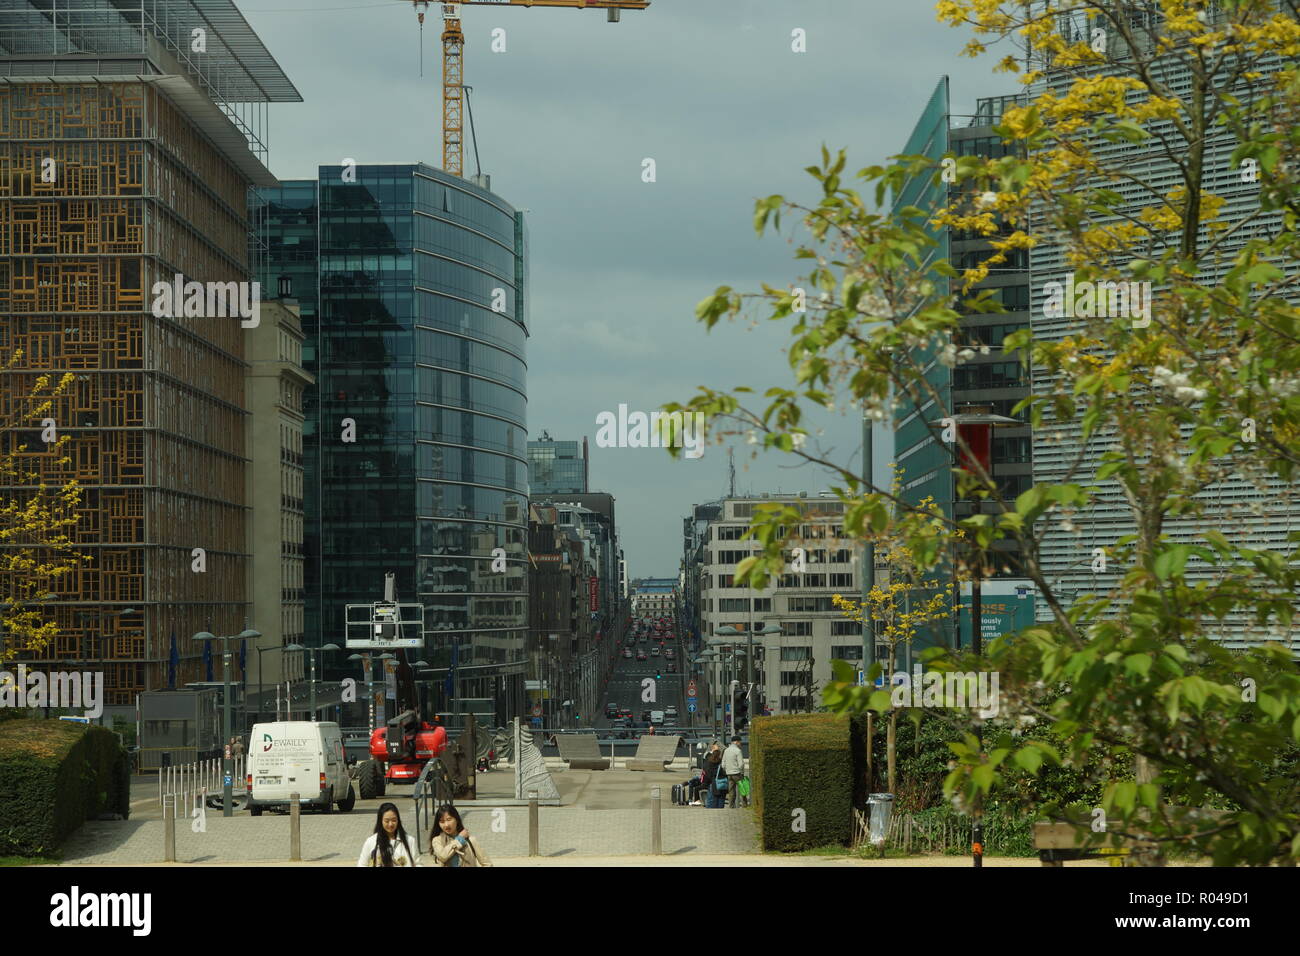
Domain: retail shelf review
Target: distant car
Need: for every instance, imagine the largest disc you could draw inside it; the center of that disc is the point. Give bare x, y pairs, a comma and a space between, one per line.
611, 711
627, 653
655, 650
645, 716
669, 653
672, 668
670, 712
640, 655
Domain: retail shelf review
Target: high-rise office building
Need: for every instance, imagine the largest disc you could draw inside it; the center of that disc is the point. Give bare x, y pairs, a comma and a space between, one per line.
556, 467
412, 285
987, 382
125, 161
1254, 510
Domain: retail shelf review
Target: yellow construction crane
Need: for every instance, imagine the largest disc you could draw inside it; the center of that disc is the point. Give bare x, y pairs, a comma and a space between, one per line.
453, 51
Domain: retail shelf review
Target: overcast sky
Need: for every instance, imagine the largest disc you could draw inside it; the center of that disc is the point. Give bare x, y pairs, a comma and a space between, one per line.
709, 89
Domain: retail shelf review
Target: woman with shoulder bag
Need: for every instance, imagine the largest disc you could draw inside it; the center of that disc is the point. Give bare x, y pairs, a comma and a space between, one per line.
712, 775
452, 844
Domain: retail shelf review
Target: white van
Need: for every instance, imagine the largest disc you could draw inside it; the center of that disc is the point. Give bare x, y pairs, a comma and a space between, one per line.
297, 756
657, 717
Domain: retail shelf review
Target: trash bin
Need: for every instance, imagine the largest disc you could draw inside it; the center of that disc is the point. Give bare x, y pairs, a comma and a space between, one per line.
879, 806
166, 758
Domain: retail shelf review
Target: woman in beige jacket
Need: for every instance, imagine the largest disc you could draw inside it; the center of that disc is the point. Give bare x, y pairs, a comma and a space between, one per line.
451, 844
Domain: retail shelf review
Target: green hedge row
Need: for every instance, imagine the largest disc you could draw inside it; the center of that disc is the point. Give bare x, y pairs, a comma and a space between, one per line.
801, 766
54, 775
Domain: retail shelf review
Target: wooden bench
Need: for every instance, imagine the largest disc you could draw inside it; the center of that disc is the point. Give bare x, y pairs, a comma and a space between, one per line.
654, 753
581, 752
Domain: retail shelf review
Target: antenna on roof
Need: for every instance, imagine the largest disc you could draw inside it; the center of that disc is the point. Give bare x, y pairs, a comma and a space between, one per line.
731, 469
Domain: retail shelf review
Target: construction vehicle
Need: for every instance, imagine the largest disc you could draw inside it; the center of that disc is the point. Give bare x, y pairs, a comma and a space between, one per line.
453, 51
406, 742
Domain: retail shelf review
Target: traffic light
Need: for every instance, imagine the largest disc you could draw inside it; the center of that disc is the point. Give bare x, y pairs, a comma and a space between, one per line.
658, 676
742, 711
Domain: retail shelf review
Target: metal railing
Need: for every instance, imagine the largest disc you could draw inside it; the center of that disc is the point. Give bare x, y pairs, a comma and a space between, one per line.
433, 789
198, 779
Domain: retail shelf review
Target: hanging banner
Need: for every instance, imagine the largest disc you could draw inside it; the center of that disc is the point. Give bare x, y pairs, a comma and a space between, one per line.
593, 585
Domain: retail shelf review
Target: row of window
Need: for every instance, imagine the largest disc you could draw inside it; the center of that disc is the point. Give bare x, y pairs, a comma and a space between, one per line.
468, 356
990, 375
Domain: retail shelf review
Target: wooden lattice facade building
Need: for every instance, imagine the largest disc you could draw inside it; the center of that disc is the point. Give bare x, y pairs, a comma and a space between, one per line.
121, 168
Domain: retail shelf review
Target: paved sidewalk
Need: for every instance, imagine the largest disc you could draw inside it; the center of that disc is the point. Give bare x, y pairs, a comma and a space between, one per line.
691, 859
337, 837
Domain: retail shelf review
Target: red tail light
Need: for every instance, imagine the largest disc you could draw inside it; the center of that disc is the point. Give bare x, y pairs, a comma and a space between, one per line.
322, 780
248, 783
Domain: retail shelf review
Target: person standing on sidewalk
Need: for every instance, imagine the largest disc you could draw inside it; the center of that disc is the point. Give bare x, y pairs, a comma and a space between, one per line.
733, 765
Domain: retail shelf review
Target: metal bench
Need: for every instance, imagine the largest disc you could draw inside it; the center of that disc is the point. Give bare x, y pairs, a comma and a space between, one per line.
581, 752
654, 753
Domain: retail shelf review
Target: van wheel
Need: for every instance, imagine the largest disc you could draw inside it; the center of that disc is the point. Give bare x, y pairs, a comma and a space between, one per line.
348, 802
329, 803
370, 779
255, 811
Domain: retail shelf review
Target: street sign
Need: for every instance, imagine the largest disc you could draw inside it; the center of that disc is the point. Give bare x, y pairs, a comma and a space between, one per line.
690, 707
690, 687
228, 781
691, 700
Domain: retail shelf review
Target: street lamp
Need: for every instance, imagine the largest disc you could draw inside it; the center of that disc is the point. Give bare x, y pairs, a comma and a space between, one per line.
313, 651
227, 766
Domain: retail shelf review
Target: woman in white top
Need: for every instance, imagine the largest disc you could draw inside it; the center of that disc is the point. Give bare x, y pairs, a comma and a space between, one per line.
389, 845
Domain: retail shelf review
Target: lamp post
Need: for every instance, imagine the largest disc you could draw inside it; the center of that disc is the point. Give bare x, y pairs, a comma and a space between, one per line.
227, 764
977, 417
313, 651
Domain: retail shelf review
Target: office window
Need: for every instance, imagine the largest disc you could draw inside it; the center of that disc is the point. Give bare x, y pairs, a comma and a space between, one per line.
762, 604
845, 628
841, 580
846, 652
795, 653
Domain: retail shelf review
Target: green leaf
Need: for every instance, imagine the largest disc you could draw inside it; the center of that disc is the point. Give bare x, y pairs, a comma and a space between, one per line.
1138, 664
1030, 758
1170, 563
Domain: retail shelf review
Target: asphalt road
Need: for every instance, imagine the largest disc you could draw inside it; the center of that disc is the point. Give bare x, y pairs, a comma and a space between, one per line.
627, 687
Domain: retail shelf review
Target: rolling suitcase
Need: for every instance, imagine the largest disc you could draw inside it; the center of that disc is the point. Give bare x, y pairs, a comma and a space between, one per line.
679, 797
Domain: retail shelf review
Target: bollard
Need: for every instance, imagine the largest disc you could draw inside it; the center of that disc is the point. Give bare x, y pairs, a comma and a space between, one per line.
656, 822
169, 829
295, 829
532, 823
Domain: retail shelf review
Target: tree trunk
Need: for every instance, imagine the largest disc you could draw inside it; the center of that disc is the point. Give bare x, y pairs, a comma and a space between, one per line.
889, 749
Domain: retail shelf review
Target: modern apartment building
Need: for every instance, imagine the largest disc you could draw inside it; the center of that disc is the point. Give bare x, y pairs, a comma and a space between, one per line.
792, 666
125, 161
413, 290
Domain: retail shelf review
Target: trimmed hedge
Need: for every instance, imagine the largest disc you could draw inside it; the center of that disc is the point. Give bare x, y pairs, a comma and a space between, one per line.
802, 762
54, 775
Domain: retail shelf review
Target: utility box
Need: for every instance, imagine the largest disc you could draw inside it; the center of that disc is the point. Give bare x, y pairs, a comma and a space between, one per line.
178, 727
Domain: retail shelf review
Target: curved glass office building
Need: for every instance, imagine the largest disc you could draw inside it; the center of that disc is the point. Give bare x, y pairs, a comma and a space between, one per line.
417, 330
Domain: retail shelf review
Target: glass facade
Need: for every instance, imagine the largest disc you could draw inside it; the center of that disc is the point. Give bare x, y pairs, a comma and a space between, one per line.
556, 467
412, 286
